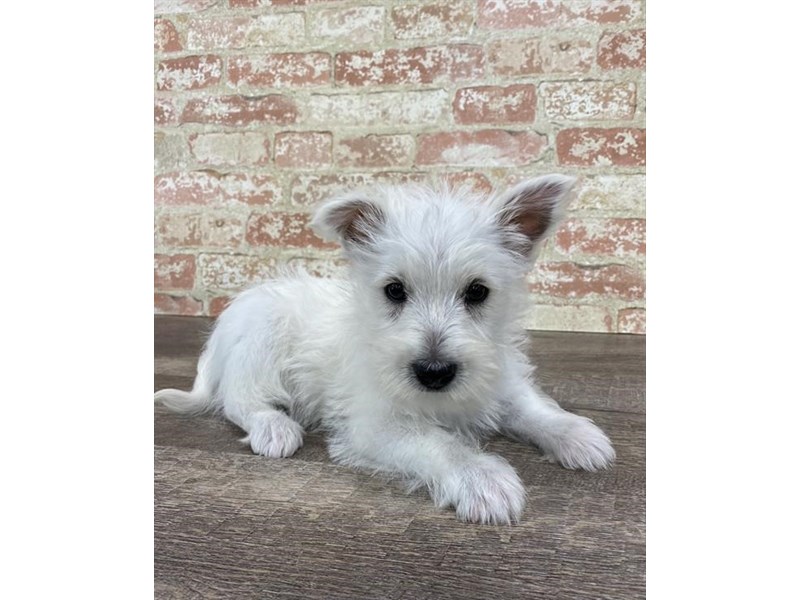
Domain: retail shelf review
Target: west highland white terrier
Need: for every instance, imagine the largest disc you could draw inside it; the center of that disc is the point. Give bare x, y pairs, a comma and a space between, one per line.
412, 360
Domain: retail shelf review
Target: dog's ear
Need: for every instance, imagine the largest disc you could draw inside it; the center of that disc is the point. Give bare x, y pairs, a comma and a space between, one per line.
350, 219
530, 211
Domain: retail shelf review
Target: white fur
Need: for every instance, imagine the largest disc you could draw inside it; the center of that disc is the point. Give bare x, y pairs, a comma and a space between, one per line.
300, 353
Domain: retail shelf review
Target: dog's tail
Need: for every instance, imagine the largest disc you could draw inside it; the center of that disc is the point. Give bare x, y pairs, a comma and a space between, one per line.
186, 403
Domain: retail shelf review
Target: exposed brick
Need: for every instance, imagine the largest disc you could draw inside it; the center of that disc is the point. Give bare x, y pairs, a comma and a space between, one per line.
421, 107
178, 230
592, 146
165, 112
290, 69
230, 148
607, 237
174, 272
240, 110
170, 151
409, 66
217, 304
165, 36
375, 151
521, 14
624, 50
214, 189
271, 30
171, 7
431, 20
308, 190
303, 149
476, 182
569, 280
532, 56
492, 147
495, 104
233, 272
169, 304
589, 100
631, 320
288, 230
549, 317
194, 230
354, 25
605, 194
188, 73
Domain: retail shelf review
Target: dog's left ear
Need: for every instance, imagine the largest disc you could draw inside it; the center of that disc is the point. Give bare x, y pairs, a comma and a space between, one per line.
349, 219
531, 211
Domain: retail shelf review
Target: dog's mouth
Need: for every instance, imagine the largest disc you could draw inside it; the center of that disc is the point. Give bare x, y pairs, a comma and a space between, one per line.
434, 376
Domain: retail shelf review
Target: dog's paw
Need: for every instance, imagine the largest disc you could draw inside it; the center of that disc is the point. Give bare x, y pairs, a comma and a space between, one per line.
274, 434
577, 443
487, 490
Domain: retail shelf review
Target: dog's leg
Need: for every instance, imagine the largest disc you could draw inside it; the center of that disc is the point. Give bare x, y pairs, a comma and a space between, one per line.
482, 487
255, 407
574, 441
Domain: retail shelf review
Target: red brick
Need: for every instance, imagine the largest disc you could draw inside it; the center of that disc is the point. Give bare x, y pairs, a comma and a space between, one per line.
495, 104
608, 237
375, 151
240, 110
217, 304
171, 7
569, 280
476, 182
531, 56
409, 66
230, 148
493, 147
631, 320
592, 146
291, 69
435, 20
589, 100
174, 272
308, 190
169, 304
233, 272
357, 25
214, 189
283, 229
188, 73
268, 30
165, 112
625, 50
303, 149
523, 14
165, 36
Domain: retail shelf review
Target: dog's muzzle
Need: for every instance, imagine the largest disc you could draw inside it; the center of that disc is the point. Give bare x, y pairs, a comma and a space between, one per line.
434, 375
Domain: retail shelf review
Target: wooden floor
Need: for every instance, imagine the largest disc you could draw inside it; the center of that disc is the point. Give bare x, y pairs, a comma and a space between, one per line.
229, 524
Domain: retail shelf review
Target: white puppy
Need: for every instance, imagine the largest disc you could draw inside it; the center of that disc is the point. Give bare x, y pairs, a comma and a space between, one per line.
410, 361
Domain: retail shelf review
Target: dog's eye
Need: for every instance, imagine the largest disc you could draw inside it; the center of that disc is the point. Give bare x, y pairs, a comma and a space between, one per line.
476, 293
395, 292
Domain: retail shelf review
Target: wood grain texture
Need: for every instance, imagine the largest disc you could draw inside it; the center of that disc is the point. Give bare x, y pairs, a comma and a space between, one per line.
229, 524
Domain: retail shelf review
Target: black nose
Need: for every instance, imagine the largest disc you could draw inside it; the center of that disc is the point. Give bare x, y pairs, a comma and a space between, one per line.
434, 375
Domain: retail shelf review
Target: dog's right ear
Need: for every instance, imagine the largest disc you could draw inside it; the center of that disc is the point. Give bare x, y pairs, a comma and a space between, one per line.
350, 219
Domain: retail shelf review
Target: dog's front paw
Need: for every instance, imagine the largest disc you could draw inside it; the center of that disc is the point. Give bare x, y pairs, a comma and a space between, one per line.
487, 490
274, 434
577, 443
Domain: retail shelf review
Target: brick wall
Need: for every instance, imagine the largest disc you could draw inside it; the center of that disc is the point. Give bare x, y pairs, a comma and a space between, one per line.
264, 107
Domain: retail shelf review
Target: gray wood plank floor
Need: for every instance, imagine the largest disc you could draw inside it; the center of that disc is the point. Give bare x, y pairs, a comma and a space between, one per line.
229, 524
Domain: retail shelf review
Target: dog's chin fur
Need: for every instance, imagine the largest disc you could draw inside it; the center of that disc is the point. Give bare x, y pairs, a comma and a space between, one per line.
298, 352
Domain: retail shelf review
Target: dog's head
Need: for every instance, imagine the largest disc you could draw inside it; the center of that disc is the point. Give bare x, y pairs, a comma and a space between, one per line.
439, 279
